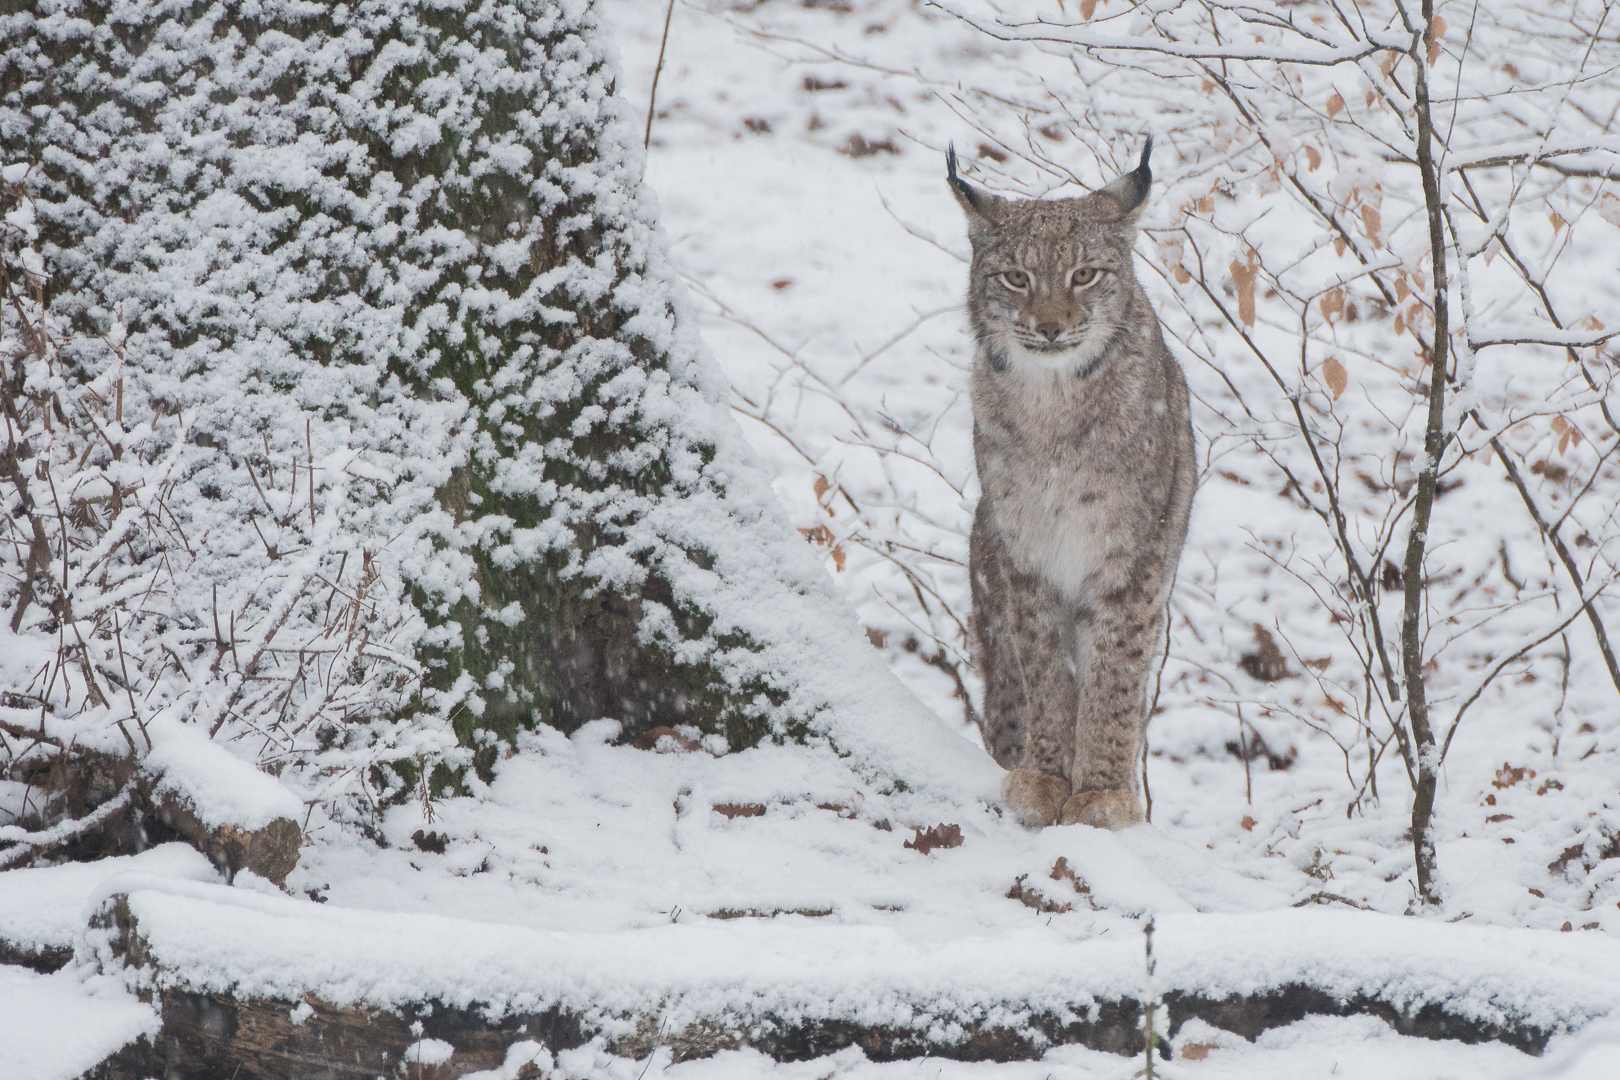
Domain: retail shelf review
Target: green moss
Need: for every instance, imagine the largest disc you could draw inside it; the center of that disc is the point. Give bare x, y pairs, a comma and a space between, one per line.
576, 652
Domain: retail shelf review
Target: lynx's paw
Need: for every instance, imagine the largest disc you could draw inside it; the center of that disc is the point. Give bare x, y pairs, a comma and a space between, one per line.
1034, 797
1103, 809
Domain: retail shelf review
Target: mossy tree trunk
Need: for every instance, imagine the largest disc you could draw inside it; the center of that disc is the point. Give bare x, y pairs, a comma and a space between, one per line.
414, 431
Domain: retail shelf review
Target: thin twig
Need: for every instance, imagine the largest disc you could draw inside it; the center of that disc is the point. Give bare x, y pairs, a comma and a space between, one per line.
652, 96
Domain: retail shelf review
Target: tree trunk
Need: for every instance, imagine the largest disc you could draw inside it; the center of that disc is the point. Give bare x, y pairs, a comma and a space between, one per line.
420, 447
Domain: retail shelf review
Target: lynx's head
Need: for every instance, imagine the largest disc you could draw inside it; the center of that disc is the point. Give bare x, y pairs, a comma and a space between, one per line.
1051, 283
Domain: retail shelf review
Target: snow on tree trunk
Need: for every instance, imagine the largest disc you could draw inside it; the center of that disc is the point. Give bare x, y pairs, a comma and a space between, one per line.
352, 414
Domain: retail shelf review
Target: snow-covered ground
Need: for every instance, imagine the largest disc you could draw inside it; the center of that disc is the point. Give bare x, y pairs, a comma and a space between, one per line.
775, 884
795, 152
63, 1024
829, 283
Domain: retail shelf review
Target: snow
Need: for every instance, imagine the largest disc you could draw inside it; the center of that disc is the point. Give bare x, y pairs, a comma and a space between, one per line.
518, 1055
429, 1052
221, 788
810, 261
246, 475
330, 630
1313, 1049
602, 879
57, 1027
874, 972
49, 907
826, 286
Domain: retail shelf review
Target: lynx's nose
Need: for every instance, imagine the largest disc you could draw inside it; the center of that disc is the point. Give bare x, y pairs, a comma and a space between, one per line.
1049, 330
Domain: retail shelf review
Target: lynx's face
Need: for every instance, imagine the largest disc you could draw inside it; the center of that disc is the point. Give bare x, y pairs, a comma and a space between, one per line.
1051, 281
1047, 289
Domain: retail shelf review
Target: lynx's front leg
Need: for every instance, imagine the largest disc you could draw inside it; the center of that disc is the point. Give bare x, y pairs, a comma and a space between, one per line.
1121, 635
1026, 650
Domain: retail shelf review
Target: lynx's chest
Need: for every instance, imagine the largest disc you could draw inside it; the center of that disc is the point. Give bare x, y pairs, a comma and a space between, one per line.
1063, 485
1054, 516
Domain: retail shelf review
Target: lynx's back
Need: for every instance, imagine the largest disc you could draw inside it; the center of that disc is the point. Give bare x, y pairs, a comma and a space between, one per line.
1083, 442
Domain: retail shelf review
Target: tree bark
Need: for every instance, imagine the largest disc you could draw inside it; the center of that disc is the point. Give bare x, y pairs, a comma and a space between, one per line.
1435, 440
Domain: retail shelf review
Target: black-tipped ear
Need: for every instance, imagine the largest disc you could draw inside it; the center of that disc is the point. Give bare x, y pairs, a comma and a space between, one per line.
964, 190
982, 208
1130, 191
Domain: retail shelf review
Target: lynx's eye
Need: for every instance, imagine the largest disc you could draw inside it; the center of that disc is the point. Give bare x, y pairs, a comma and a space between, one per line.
1086, 275
1016, 280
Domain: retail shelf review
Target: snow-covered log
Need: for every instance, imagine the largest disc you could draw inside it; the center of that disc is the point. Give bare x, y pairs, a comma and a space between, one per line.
267, 986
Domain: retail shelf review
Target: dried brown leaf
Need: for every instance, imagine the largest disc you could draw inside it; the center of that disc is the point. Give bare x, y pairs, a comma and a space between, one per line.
1508, 775
817, 534
1243, 277
1608, 208
1335, 376
1570, 854
1265, 663
1062, 871
1553, 471
859, 146
1031, 897
731, 811
938, 836
1374, 224
1332, 304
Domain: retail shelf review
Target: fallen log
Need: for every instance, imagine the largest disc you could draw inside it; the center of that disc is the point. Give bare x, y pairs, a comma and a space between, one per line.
208, 1032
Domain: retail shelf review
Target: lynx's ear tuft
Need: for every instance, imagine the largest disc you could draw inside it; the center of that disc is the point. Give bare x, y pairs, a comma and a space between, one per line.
983, 210
1129, 192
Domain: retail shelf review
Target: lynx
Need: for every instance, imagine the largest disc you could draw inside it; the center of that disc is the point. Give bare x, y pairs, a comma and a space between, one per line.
1084, 447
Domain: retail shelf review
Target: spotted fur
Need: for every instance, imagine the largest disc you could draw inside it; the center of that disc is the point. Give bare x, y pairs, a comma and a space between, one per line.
1084, 446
